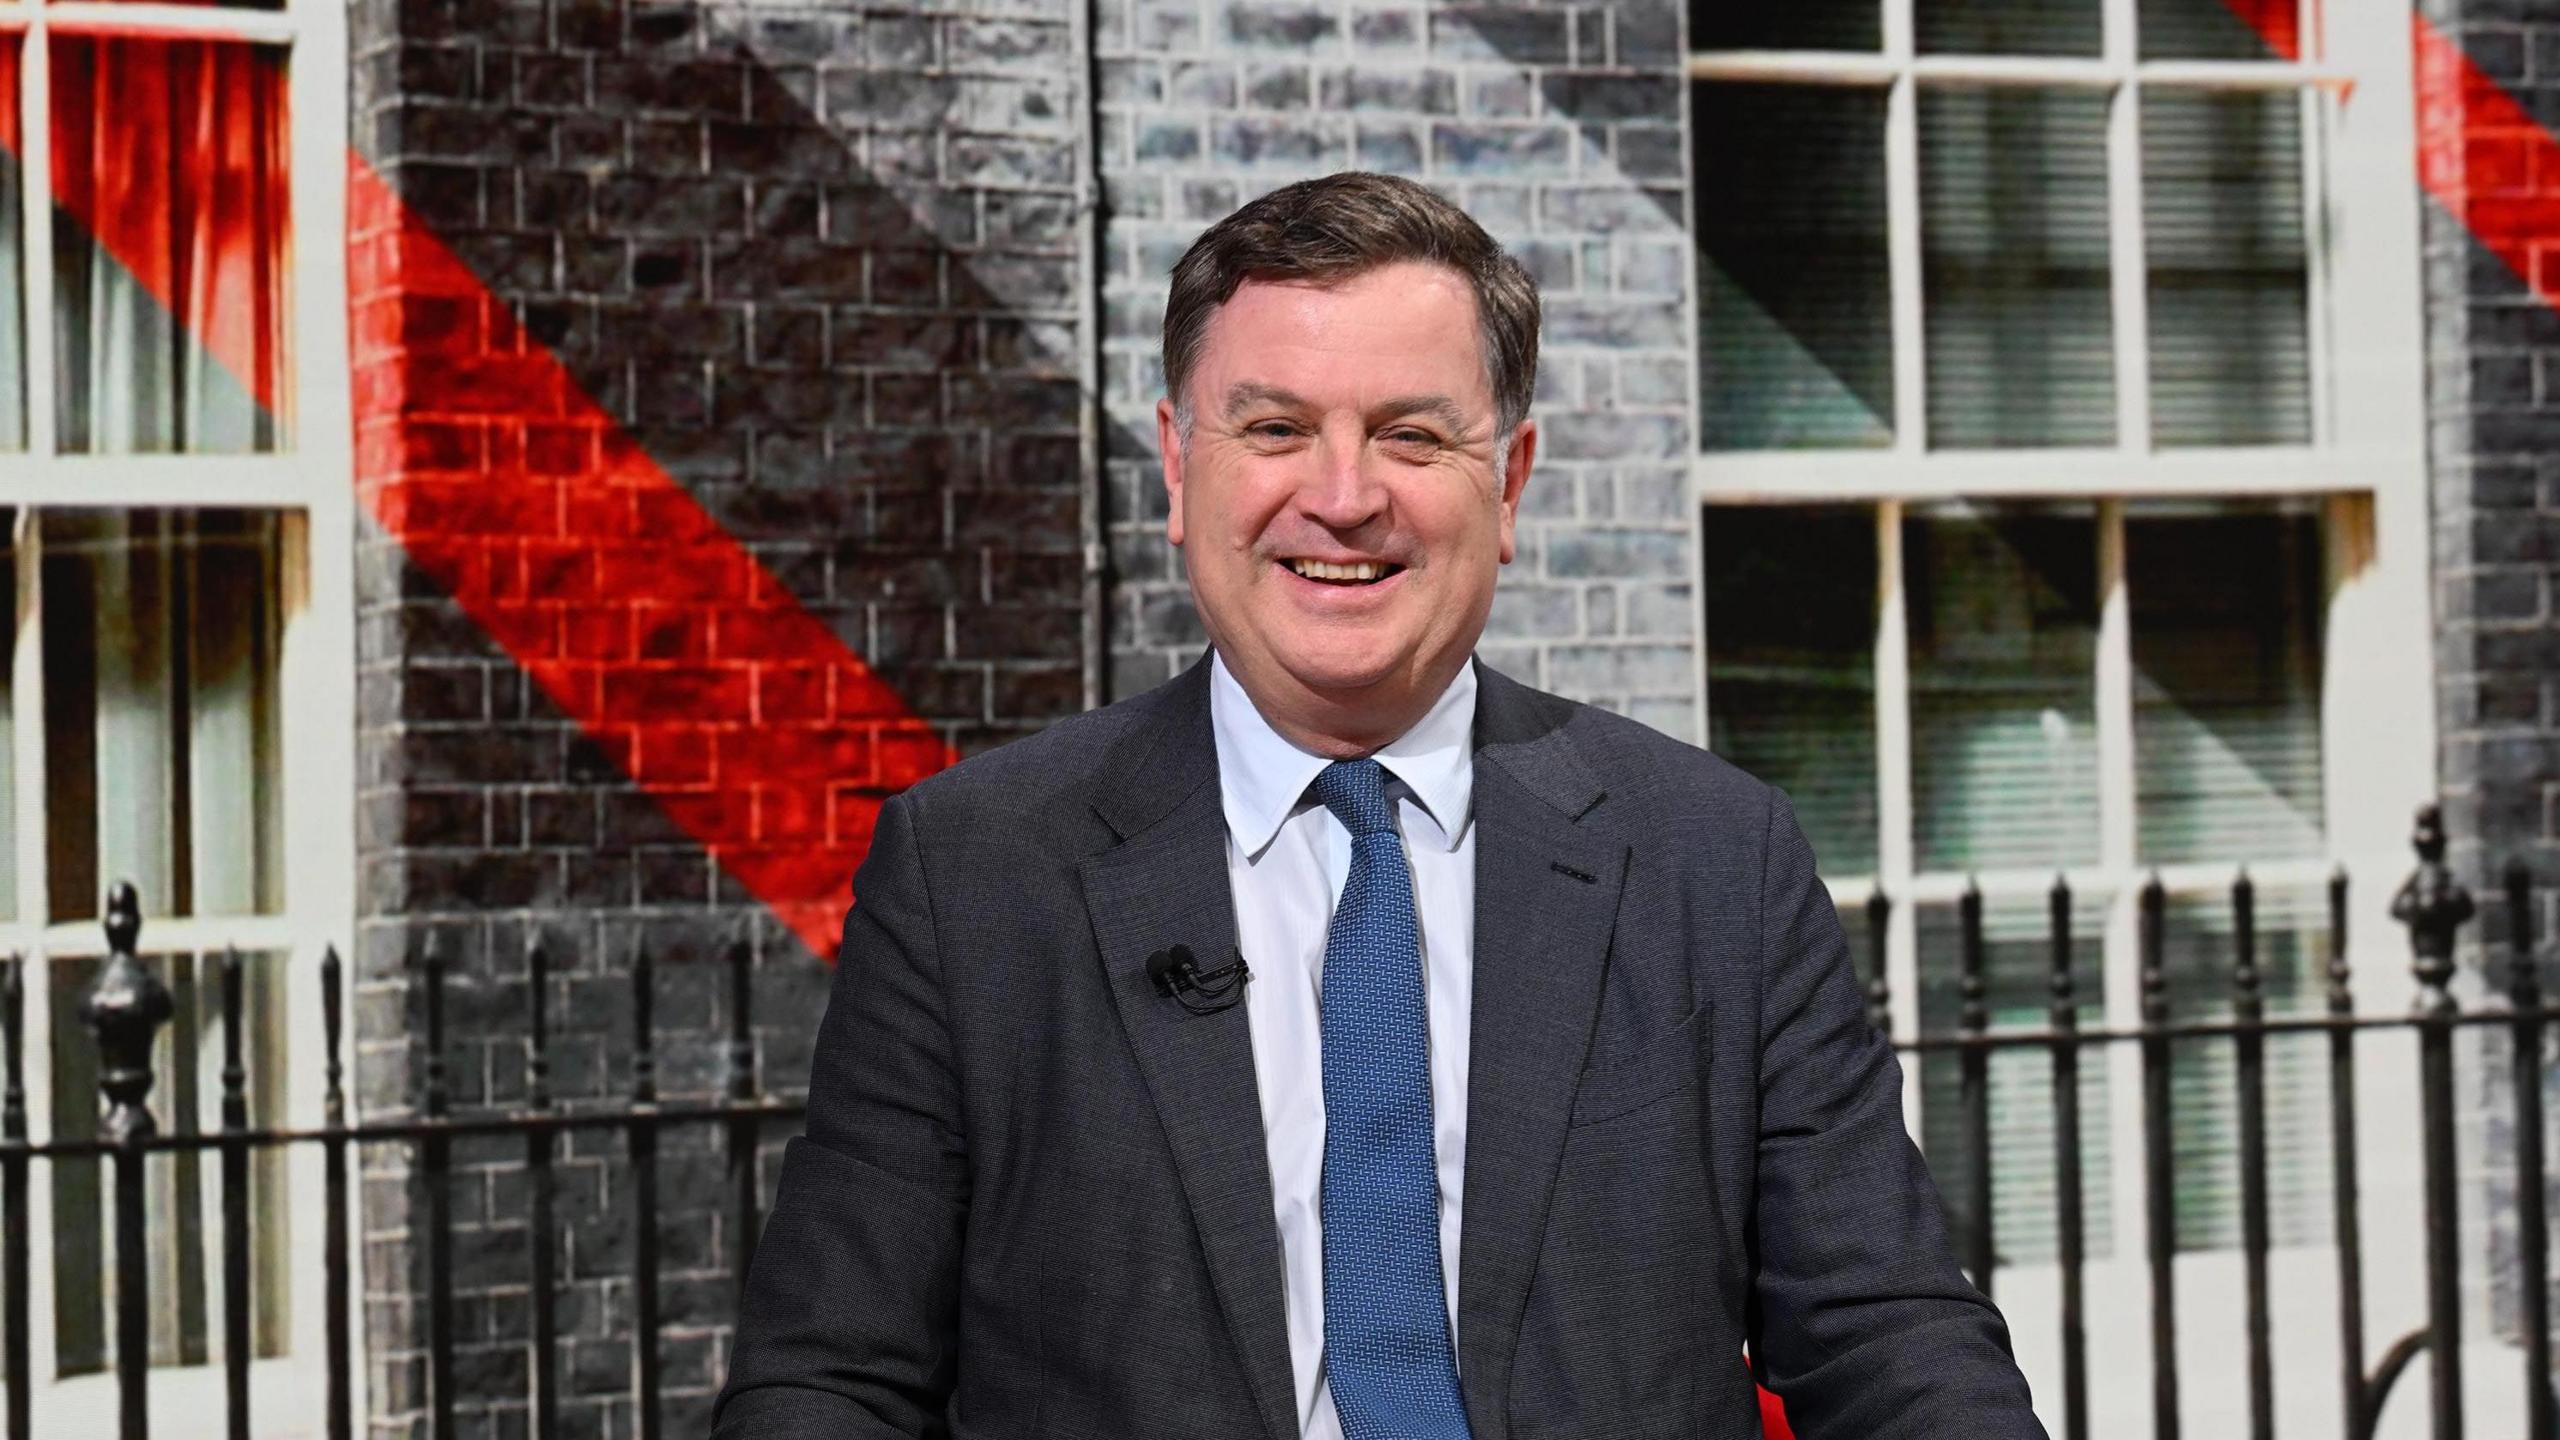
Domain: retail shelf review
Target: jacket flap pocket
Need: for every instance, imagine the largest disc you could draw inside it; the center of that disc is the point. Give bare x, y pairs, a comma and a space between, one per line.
1665, 1065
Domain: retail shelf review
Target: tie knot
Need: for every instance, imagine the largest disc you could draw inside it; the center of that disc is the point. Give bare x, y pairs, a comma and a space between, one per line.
1356, 792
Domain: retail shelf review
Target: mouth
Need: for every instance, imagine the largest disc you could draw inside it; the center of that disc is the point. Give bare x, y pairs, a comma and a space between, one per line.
1350, 574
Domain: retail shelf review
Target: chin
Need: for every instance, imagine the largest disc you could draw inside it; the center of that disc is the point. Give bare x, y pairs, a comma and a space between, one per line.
1334, 675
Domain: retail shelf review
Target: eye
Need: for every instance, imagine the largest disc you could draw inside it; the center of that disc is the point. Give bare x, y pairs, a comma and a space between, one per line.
1272, 429
1410, 437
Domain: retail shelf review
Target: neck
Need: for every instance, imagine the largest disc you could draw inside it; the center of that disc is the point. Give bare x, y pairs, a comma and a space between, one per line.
1346, 724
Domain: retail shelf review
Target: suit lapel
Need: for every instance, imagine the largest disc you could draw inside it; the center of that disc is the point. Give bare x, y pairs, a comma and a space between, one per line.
1165, 884
1546, 901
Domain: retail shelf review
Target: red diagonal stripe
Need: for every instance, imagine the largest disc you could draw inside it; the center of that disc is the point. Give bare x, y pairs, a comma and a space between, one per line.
757, 731
2278, 23
2487, 160
644, 620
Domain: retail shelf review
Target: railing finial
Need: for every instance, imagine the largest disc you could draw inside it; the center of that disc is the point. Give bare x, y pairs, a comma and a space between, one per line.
2435, 906
125, 1008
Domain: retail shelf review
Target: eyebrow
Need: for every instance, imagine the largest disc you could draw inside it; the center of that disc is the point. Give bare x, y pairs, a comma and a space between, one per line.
1247, 393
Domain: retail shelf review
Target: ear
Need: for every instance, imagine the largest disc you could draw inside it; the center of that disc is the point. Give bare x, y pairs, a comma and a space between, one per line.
1169, 451
1515, 478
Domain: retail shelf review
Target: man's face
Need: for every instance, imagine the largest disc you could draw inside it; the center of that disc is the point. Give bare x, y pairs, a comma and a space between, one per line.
1337, 502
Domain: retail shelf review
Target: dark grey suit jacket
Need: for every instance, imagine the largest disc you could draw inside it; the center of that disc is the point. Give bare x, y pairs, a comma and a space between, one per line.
1033, 1198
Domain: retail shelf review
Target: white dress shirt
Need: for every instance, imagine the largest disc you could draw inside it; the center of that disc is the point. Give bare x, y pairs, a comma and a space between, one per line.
1287, 859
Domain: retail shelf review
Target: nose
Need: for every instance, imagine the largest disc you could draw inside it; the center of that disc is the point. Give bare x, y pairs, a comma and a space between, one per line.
1342, 492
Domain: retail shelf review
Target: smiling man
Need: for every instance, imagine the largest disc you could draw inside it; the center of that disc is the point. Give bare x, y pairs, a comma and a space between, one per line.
1344, 1040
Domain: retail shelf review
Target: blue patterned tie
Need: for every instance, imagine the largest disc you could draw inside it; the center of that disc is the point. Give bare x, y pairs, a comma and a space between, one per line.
1386, 1320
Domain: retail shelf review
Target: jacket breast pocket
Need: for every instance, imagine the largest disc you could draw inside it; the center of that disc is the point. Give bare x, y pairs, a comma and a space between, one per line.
1665, 1065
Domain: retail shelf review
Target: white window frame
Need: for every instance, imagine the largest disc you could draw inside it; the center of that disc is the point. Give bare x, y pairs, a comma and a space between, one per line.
2364, 467
308, 480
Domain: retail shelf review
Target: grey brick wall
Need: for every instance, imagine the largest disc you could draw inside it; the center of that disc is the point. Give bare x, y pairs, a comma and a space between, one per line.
1557, 126
2493, 351
821, 263
2493, 403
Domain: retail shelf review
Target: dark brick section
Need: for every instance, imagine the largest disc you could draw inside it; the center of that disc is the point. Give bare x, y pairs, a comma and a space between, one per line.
820, 264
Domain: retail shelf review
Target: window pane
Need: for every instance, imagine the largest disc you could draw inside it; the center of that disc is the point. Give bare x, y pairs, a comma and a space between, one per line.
1797, 25
1794, 293
2229, 274
2017, 964
2021, 346
1791, 618
2221, 29
2007, 27
2226, 699
2004, 636
169, 245
2198, 952
160, 710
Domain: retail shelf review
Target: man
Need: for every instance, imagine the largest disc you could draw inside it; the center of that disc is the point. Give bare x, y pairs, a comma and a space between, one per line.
1344, 1040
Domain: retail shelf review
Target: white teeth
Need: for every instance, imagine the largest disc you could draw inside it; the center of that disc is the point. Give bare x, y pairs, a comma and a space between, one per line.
1326, 570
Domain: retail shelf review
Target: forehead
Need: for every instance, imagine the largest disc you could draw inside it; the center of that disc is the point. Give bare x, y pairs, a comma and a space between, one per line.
1395, 328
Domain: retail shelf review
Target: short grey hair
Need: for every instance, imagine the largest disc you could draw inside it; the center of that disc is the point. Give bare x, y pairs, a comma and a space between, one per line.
1345, 225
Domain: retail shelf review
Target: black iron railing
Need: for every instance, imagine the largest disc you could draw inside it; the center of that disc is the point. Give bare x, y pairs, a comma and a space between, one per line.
128, 1004
2434, 906
125, 1009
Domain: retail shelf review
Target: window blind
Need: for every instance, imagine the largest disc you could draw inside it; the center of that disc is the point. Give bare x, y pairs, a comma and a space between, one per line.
2020, 342
1794, 294
2004, 629
2228, 268
2007, 27
1791, 616
2226, 656
1797, 25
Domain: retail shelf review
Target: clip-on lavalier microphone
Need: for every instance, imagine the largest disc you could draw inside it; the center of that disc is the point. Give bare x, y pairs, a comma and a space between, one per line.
1177, 973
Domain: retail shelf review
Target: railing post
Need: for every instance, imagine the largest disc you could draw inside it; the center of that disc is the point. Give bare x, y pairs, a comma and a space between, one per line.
1879, 984
2065, 1018
1974, 1093
17, 1369
236, 1340
2346, 1214
2159, 1154
125, 1008
338, 1281
2533, 1231
2434, 905
2249, 1008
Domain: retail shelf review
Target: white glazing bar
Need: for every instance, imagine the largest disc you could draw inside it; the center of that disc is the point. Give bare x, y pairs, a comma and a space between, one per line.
2128, 288
35, 252
2198, 471
1904, 267
1849, 67
2240, 75
27, 761
2317, 107
140, 17
2119, 832
1893, 793
178, 481
1803, 67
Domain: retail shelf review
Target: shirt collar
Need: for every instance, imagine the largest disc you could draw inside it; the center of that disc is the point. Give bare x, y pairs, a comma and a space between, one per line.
1263, 778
